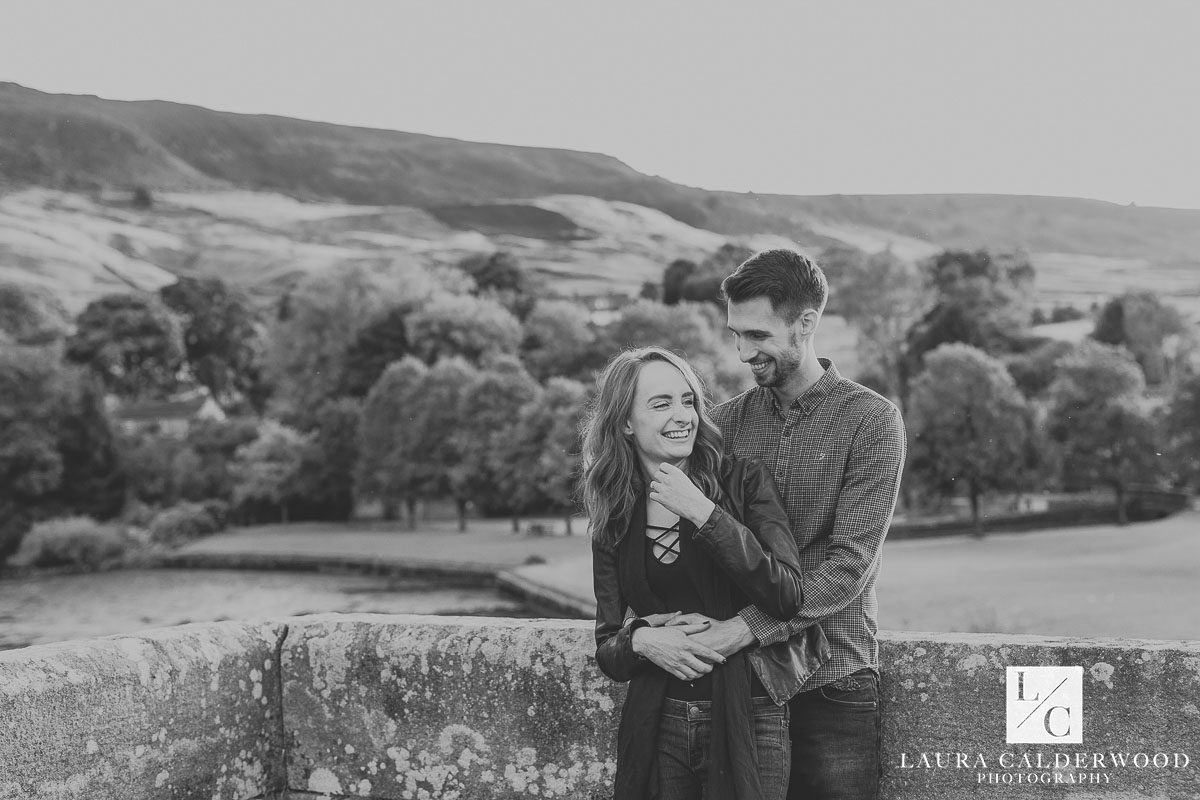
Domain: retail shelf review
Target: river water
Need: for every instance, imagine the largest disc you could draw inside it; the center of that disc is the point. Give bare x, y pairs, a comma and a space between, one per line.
42, 609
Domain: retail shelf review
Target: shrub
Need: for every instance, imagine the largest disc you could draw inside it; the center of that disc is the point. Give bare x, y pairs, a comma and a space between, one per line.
218, 510
182, 523
14, 525
70, 541
138, 514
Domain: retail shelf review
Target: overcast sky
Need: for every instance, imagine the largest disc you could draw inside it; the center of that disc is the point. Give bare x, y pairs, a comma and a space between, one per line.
1088, 99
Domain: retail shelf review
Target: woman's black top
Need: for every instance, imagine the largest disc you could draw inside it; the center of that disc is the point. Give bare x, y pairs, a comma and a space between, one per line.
670, 581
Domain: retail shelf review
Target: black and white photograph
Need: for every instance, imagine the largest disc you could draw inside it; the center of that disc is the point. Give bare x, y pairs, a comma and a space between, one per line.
627, 401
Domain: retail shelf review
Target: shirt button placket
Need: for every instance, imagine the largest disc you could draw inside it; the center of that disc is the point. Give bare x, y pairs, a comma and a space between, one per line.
787, 447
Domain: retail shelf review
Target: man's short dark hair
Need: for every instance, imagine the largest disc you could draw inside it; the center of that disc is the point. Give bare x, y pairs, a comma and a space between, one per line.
791, 282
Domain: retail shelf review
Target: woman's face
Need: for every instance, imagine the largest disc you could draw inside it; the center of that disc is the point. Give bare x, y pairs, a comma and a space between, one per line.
663, 420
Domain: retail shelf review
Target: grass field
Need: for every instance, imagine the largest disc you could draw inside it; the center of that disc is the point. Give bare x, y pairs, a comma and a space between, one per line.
1140, 581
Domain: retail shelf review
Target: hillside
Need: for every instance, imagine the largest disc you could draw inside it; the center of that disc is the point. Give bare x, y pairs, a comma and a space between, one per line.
328, 194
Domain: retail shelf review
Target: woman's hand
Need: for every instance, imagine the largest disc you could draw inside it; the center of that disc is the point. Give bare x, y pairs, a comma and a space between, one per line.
658, 620
671, 649
673, 489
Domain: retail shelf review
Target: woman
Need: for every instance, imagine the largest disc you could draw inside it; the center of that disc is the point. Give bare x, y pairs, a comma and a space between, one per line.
666, 510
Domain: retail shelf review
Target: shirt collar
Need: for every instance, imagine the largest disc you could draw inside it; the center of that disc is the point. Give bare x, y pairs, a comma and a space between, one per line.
812, 397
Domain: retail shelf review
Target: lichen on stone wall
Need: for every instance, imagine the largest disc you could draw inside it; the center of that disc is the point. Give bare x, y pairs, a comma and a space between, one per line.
151, 716
471, 708
418, 707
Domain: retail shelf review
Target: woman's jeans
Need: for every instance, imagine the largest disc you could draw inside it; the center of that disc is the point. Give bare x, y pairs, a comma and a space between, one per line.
684, 733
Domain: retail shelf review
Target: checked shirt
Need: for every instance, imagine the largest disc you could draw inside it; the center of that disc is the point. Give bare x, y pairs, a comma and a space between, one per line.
836, 455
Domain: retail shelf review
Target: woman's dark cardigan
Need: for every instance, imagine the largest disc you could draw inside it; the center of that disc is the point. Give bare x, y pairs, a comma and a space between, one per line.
733, 564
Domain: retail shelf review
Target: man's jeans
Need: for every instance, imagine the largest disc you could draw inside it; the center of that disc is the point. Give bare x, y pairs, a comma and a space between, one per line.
836, 740
682, 749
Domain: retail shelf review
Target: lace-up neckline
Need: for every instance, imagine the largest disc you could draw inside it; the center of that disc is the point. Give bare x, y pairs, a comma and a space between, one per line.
665, 543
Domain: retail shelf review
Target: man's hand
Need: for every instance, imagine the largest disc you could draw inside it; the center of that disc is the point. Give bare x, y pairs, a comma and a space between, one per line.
675, 651
672, 488
726, 637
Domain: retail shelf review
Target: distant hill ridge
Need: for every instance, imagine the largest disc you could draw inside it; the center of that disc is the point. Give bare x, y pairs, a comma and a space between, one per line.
81, 142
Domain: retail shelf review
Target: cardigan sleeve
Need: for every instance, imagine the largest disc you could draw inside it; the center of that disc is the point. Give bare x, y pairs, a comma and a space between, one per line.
758, 552
614, 629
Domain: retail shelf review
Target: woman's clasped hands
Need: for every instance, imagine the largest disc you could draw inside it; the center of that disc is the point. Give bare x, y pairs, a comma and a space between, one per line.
667, 642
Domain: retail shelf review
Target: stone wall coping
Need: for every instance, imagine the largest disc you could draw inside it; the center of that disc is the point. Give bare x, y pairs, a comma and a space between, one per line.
387, 706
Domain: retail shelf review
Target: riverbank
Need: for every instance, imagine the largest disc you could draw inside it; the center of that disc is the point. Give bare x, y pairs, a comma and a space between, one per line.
40, 609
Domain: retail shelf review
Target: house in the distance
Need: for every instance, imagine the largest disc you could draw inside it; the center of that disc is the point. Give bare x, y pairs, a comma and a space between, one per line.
170, 417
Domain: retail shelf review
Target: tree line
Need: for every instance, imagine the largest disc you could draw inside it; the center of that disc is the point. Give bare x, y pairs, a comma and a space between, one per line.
396, 385
993, 407
409, 383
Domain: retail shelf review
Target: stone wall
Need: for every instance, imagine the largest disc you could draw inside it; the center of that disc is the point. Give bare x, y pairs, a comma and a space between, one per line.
187, 712
440, 707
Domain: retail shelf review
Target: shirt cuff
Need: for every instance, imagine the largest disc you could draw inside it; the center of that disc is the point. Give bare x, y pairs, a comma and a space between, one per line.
766, 629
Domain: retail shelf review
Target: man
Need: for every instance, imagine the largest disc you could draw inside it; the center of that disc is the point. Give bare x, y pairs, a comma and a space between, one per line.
836, 450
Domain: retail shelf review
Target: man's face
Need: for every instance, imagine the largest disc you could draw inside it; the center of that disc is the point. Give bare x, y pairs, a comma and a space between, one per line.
765, 341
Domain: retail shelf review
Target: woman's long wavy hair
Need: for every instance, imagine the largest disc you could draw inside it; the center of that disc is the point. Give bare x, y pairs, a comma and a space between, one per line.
611, 473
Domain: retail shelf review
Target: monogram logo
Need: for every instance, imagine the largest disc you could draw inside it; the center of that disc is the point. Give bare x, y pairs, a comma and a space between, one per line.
1044, 704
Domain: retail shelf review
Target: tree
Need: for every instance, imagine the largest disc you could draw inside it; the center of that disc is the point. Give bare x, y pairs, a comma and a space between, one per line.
487, 406
388, 469
57, 454
130, 342
325, 483
687, 328
704, 285
382, 341
215, 444
149, 459
1182, 428
385, 336
220, 339
970, 428
557, 340
881, 296
1106, 436
31, 315
540, 450
266, 469
306, 349
498, 271
1035, 370
674, 277
430, 427
500, 277
1065, 313
469, 327
685, 280
32, 394
1142, 323
977, 299
93, 480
